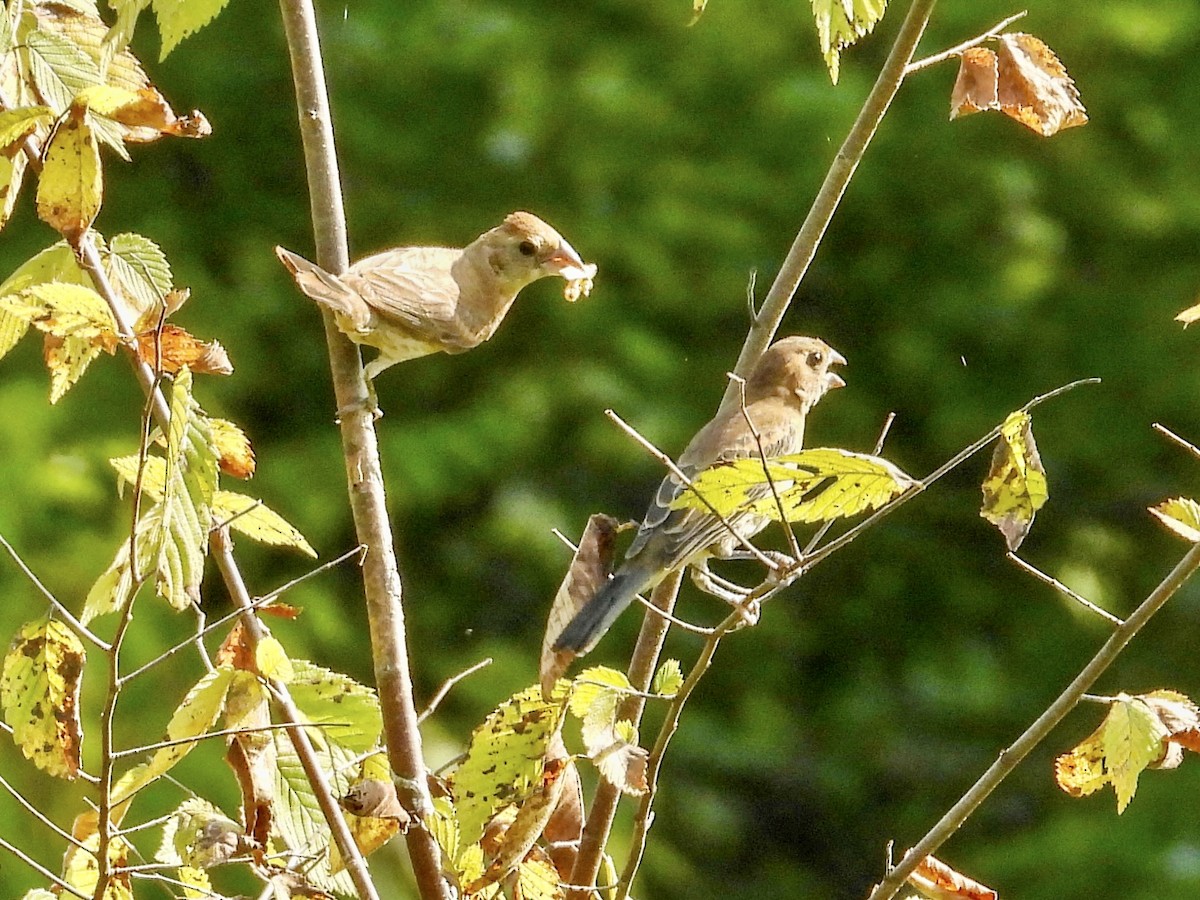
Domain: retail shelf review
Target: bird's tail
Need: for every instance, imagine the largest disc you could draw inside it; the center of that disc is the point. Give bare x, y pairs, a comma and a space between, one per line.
326, 289
597, 615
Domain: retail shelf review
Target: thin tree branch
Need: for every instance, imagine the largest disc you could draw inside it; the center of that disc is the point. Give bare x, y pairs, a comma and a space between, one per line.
1020, 748
804, 247
381, 576
221, 548
448, 685
65, 614
988, 35
41, 816
1173, 437
1063, 589
41, 870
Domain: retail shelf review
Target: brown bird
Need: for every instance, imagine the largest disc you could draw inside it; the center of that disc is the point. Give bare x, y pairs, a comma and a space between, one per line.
787, 382
413, 301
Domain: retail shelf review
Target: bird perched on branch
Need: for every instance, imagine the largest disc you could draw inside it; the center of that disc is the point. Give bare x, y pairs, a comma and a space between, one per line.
413, 301
787, 382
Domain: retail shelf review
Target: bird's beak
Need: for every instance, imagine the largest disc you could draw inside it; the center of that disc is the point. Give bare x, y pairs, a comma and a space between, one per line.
833, 379
566, 262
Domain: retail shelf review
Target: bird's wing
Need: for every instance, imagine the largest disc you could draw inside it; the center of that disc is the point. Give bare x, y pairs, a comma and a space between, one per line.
683, 533
412, 287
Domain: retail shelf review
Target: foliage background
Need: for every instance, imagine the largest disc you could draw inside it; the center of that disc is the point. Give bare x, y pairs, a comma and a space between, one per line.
971, 266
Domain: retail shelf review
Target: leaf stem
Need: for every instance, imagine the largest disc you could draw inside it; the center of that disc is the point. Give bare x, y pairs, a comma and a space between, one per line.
958, 50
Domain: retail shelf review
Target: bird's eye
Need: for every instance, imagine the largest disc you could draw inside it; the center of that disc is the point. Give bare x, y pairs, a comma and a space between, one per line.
526, 248
816, 358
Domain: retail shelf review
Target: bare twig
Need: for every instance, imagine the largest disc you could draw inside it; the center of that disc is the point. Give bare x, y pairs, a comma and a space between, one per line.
1182, 442
41, 870
1063, 589
1033, 735
219, 732
381, 576
958, 50
820, 214
61, 611
448, 685
39, 815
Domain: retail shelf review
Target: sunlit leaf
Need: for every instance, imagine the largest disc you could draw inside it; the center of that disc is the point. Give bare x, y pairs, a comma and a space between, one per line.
812, 485
39, 693
349, 711
237, 456
937, 881
178, 19
668, 679
1015, 487
18, 124
72, 182
840, 23
258, 521
1034, 87
505, 759
140, 270
170, 348
1181, 515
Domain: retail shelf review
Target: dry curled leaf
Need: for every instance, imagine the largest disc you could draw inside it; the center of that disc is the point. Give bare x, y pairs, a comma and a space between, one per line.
175, 348
936, 880
1023, 79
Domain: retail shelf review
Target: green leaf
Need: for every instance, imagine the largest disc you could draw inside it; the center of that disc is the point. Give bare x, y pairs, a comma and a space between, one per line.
348, 710
55, 263
59, 68
505, 759
840, 23
813, 485
668, 679
191, 481
1015, 487
115, 585
178, 19
39, 693
63, 310
140, 269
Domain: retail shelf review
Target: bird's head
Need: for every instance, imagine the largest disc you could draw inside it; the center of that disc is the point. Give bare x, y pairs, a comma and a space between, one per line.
524, 248
798, 368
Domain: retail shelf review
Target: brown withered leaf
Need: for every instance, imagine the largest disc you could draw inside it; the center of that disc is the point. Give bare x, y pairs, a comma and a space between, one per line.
565, 828
589, 569
938, 881
976, 87
1034, 87
150, 117
179, 349
1023, 79
375, 814
237, 456
251, 753
1181, 719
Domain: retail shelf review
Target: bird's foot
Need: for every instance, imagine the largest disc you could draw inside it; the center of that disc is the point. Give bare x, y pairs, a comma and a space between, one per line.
711, 583
369, 404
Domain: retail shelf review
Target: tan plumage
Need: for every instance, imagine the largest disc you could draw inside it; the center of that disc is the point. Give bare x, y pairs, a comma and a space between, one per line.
413, 301
787, 382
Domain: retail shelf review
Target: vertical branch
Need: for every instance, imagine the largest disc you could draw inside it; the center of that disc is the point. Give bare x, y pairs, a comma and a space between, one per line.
804, 247
381, 576
641, 673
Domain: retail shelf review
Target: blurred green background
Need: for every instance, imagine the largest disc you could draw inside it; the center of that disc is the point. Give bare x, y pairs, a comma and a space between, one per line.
971, 266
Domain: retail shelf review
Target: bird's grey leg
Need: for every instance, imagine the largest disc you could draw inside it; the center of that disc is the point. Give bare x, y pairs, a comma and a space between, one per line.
733, 594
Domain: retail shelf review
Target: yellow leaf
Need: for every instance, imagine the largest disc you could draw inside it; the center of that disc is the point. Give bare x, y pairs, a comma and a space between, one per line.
1129, 740
177, 19
272, 660
39, 693
237, 456
840, 23
812, 485
13, 164
1015, 488
1181, 515
195, 716
79, 864
505, 759
63, 310
72, 181
668, 679
18, 124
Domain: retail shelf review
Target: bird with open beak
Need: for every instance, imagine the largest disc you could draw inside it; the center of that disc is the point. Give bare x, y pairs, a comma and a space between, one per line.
788, 380
413, 301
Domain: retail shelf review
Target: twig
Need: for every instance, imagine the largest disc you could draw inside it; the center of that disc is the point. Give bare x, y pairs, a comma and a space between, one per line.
687, 482
988, 35
1182, 442
221, 548
382, 585
1066, 701
42, 870
820, 214
220, 732
448, 684
65, 614
40, 816
1064, 590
